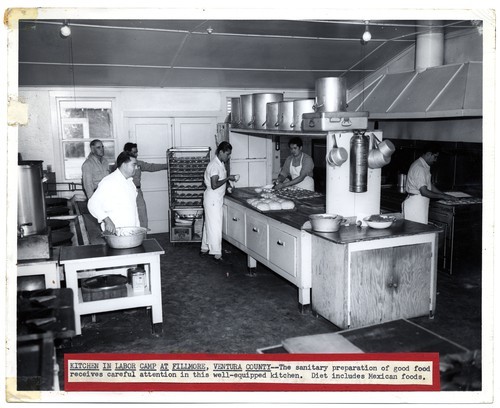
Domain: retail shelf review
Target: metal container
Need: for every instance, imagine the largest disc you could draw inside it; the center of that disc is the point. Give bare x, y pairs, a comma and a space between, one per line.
137, 278
126, 237
402, 183
31, 209
301, 106
285, 115
259, 107
235, 112
104, 287
325, 222
358, 171
330, 95
272, 115
247, 119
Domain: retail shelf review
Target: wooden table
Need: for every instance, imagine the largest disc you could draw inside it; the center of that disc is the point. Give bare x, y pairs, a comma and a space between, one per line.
101, 260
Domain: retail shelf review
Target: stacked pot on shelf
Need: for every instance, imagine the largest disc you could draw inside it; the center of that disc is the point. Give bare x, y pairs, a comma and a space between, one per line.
270, 110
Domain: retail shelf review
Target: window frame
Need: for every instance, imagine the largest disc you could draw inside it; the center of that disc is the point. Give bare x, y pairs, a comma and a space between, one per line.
61, 103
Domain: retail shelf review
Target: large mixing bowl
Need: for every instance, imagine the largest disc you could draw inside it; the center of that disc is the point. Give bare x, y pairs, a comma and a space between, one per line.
125, 237
325, 222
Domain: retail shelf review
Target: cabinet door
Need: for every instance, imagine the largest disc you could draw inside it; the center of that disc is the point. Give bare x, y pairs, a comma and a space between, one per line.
409, 283
236, 224
195, 132
257, 147
256, 233
253, 173
389, 284
283, 250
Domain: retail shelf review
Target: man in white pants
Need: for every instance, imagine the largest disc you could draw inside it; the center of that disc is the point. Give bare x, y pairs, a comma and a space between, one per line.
420, 188
215, 179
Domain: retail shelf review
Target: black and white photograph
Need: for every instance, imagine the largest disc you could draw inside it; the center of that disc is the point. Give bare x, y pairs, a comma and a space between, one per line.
264, 180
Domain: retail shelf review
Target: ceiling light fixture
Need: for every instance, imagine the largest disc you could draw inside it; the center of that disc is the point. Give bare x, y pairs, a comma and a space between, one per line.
367, 36
65, 30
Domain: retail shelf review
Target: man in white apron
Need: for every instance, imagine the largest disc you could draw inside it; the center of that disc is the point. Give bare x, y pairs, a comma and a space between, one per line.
215, 179
420, 188
298, 168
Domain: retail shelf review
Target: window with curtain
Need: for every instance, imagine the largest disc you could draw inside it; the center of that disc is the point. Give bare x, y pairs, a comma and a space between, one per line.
82, 121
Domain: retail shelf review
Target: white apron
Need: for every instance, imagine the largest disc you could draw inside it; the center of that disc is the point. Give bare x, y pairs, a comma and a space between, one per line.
211, 239
416, 208
307, 183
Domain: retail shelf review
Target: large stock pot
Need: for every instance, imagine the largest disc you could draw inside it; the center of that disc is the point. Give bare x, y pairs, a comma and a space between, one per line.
301, 106
31, 209
330, 95
285, 115
259, 107
247, 120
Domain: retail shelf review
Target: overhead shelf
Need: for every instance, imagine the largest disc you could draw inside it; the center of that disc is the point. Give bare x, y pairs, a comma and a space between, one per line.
268, 132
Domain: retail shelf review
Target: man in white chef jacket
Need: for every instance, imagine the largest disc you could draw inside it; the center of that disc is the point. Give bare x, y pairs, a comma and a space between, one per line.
420, 188
215, 179
114, 202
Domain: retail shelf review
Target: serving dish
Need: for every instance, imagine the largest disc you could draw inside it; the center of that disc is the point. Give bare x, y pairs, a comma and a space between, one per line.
378, 221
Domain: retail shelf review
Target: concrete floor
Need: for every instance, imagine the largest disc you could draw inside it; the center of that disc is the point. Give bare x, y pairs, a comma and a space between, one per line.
207, 311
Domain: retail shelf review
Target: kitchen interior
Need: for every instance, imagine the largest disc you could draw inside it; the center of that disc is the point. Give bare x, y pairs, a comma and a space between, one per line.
345, 87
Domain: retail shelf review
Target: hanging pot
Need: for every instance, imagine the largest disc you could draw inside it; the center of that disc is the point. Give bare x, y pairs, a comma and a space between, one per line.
337, 156
235, 112
330, 95
259, 107
376, 158
386, 147
301, 106
247, 120
285, 115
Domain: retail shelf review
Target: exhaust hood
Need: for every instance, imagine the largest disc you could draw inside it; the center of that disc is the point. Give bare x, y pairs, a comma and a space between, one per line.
453, 90
432, 90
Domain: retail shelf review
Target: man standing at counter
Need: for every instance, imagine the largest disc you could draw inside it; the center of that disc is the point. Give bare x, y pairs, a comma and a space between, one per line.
142, 166
420, 188
94, 168
215, 179
114, 202
298, 168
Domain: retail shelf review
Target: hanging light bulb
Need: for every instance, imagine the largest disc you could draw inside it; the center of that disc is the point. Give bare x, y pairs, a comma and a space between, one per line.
65, 30
367, 36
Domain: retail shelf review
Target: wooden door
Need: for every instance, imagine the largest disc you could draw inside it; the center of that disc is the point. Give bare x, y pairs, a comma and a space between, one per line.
153, 137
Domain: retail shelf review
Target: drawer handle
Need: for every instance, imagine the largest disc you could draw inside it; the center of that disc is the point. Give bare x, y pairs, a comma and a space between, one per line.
255, 229
235, 219
280, 243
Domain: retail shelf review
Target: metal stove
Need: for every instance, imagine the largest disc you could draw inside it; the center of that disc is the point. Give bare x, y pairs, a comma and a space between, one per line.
461, 221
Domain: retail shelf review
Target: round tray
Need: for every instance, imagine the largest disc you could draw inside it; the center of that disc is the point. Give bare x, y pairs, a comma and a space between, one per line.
104, 282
